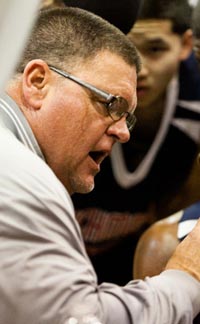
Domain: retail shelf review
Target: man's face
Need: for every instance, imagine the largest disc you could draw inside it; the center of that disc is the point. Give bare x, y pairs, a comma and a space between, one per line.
75, 131
161, 52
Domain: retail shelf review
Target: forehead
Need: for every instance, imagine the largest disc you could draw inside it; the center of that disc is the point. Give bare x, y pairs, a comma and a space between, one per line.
151, 28
110, 73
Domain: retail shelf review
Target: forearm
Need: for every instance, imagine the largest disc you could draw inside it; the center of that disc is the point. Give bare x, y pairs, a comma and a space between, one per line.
53, 282
172, 297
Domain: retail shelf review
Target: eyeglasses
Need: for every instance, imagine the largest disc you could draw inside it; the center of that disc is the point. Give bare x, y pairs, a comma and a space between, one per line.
116, 106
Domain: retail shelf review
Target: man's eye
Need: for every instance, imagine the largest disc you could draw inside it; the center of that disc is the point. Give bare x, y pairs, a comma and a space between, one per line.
156, 49
103, 103
102, 107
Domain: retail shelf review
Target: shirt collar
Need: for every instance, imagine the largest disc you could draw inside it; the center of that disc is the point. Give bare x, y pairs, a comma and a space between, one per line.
13, 118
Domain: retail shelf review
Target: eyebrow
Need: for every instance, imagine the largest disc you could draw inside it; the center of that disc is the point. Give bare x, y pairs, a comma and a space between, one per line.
156, 40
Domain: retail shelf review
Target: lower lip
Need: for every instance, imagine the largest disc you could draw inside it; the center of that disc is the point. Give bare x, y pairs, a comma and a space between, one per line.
95, 166
141, 93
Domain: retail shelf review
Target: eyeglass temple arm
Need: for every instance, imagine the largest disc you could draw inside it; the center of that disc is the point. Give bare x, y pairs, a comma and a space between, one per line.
107, 96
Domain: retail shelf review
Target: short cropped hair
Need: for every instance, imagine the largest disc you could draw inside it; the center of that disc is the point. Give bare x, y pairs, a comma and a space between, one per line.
196, 21
178, 11
67, 36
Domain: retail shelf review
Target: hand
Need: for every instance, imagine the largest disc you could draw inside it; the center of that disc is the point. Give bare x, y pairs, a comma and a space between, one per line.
187, 254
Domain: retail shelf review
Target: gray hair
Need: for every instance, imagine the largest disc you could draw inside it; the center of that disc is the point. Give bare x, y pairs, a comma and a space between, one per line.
67, 36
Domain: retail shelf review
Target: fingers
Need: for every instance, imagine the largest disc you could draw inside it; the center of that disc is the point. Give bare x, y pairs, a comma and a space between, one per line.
187, 254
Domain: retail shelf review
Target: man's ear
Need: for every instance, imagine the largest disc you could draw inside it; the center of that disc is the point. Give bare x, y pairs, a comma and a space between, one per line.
35, 83
187, 44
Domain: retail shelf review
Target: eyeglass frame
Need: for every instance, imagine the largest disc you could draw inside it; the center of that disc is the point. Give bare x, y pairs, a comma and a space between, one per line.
110, 98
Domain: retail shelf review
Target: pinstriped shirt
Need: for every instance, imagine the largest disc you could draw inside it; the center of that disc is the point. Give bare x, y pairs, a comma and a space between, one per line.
15, 121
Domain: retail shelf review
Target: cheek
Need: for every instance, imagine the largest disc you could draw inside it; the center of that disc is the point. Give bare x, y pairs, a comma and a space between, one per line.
74, 125
168, 66
163, 75
83, 133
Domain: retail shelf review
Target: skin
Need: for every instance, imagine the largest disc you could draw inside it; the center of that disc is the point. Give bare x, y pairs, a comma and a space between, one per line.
47, 4
73, 129
187, 261
155, 247
159, 250
161, 52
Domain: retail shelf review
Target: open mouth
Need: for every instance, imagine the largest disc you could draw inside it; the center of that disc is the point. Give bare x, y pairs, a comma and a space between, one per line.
141, 91
97, 156
140, 88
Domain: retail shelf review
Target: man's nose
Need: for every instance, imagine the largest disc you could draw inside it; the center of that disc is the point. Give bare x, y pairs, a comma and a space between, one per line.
119, 130
144, 68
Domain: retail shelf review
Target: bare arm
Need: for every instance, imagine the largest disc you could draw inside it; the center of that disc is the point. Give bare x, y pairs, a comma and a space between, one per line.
155, 247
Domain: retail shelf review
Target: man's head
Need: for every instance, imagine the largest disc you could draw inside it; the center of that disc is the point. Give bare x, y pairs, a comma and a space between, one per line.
68, 36
72, 121
179, 12
163, 37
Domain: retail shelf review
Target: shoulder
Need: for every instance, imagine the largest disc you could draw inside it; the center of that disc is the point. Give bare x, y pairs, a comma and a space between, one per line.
24, 174
189, 79
155, 247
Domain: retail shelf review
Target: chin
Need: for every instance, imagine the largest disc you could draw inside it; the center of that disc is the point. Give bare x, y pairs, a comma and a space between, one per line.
86, 189
81, 186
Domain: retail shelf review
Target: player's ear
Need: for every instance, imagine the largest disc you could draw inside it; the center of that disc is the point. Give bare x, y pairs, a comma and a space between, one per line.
35, 83
187, 44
